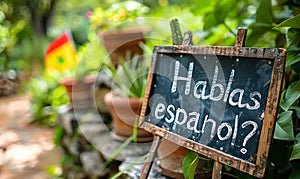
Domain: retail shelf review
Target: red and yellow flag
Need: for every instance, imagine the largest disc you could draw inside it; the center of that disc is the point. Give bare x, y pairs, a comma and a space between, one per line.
61, 53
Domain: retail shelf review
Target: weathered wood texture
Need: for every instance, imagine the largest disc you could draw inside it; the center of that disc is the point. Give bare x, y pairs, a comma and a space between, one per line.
148, 163
217, 170
276, 55
240, 37
266, 53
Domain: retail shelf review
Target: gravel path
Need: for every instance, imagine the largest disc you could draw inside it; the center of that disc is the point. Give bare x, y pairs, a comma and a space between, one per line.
25, 150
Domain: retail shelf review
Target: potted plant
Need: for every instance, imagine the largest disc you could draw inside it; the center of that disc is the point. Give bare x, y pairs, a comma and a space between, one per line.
46, 97
79, 92
79, 81
125, 99
114, 25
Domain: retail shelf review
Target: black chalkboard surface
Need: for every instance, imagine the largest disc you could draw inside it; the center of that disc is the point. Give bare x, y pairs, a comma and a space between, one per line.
218, 101
220, 105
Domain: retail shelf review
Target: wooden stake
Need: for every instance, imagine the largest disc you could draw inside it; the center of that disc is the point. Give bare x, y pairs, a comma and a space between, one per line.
187, 38
240, 37
149, 161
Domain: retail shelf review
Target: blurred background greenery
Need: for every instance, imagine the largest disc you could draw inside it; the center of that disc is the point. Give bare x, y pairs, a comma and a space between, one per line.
28, 26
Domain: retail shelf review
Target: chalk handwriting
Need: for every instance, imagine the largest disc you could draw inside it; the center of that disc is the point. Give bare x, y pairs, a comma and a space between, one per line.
192, 121
215, 90
218, 91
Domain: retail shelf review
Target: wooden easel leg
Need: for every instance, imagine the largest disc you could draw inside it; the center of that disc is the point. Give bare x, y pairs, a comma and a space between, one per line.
217, 170
149, 161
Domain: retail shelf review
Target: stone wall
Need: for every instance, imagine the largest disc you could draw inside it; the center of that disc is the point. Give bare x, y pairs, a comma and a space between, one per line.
90, 150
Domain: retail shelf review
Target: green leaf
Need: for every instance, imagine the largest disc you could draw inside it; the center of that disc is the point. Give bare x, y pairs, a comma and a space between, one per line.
58, 135
296, 152
293, 22
189, 164
293, 60
280, 40
281, 134
292, 37
209, 21
15, 30
130, 77
292, 95
223, 8
258, 30
295, 170
296, 149
52, 170
293, 49
297, 110
284, 127
201, 7
292, 89
298, 138
227, 168
264, 12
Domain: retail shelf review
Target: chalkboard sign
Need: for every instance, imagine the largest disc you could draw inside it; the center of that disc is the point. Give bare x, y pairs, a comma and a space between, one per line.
218, 101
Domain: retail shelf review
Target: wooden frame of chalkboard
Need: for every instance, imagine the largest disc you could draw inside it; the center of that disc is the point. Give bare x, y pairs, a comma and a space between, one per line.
232, 122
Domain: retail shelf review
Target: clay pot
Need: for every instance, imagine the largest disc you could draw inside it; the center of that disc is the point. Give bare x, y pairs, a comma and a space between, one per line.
102, 87
100, 93
171, 156
121, 43
124, 111
80, 92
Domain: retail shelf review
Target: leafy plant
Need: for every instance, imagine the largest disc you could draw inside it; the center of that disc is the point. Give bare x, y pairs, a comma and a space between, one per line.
130, 78
287, 130
270, 25
91, 59
103, 19
189, 164
9, 33
47, 95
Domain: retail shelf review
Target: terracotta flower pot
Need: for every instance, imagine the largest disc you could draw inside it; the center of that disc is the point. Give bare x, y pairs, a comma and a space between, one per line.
120, 43
80, 92
171, 156
124, 111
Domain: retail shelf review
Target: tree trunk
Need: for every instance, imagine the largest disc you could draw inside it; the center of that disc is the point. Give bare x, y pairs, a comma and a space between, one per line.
41, 18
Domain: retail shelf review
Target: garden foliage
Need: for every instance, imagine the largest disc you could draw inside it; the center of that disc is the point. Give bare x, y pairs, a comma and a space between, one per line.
271, 24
